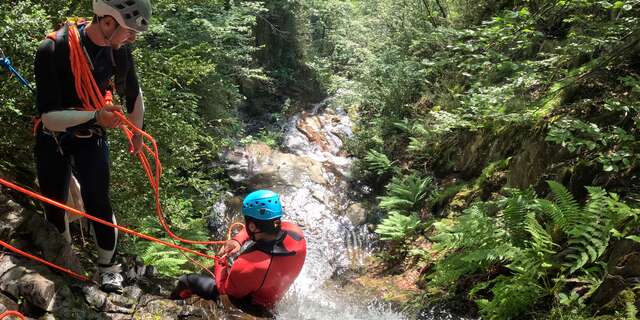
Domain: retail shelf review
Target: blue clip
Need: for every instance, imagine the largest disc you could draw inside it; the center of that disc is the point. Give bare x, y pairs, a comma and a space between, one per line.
6, 63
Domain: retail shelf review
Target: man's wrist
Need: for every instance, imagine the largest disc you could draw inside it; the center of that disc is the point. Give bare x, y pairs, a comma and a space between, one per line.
94, 119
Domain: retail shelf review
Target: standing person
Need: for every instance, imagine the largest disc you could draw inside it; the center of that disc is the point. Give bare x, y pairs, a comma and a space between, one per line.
73, 140
269, 255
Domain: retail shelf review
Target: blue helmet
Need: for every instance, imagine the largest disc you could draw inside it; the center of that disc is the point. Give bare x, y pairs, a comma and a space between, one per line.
262, 205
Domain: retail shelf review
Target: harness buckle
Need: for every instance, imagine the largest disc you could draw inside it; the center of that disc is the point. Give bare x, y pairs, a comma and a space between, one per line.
83, 133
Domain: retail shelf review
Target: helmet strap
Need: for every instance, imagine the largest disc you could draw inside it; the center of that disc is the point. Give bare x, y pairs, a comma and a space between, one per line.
251, 233
108, 39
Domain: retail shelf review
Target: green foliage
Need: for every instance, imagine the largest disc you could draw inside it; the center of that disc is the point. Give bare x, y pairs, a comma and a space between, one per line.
522, 238
406, 194
615, 148
425, 76
189, 64
171, 262
513, 297
377, 163
22, 27
397, 227
472, 243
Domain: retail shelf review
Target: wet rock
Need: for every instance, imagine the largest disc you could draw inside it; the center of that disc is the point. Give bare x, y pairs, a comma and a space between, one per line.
7, 303
259, 166
356, 214
311, 127
623, 270
51, 243
20, 281
151, 271
12, 216
154, 307
119, 304
133, 292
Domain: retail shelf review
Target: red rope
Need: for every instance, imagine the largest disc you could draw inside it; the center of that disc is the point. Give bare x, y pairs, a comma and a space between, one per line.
92, 99
107, 223
11, 313
30, 256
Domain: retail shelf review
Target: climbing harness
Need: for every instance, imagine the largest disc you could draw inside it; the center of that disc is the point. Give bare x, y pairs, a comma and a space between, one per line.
6, 63
92, 99
12, 313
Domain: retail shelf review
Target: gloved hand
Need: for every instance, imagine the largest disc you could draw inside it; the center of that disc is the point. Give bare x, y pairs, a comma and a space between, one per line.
203, 286
230, 247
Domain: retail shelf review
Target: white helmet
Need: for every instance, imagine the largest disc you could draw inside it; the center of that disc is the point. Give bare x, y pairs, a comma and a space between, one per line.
131, 14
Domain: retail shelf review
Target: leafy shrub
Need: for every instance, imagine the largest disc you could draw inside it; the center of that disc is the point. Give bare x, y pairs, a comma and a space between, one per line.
406, 194
398, 227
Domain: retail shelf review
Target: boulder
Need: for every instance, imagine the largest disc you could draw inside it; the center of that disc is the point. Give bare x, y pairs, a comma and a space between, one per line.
356, 214
21, 281
623, 270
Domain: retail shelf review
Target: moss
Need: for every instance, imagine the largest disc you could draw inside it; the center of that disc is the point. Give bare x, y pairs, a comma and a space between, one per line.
490, 170
445, 196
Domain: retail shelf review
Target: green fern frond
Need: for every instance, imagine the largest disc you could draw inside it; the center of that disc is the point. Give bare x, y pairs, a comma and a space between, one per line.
397, 227
474, 242
168, 261
590, 233
515, 213
378, 162
541, 240
405, 194
565, 202
551, 210
631, 311
512, 297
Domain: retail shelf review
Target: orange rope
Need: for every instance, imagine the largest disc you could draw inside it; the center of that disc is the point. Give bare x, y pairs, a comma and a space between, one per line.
11, 313
30, 256
107, 223
92, 99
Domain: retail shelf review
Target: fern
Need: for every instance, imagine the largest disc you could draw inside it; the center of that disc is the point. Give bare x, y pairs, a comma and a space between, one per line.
475, 242
512, 298
631, 311
589, 235
586, 227
553, 211
168, 261
533, 261
405, 194
515, 213
397, 227
568, 207
378, 162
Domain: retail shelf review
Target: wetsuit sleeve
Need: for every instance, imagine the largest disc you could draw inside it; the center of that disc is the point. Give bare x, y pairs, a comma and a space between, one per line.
48, 97
242, 236
244, 278
132, 88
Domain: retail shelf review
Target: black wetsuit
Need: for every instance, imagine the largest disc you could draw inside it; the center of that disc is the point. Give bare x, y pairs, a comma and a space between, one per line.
57, 153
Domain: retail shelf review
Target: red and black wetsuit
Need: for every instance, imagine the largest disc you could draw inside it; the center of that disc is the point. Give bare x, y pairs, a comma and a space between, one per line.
260, 275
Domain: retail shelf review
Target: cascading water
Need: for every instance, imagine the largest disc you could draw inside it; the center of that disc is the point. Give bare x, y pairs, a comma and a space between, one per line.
312, 177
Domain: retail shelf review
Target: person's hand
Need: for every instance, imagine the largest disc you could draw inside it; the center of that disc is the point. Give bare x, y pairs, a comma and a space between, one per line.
229, 247
136, 144
106, 117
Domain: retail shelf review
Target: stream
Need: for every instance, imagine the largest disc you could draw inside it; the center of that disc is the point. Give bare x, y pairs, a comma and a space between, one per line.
311, 173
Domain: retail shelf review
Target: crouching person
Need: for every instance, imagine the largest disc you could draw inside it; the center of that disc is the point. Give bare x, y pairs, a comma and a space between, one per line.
269, 254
